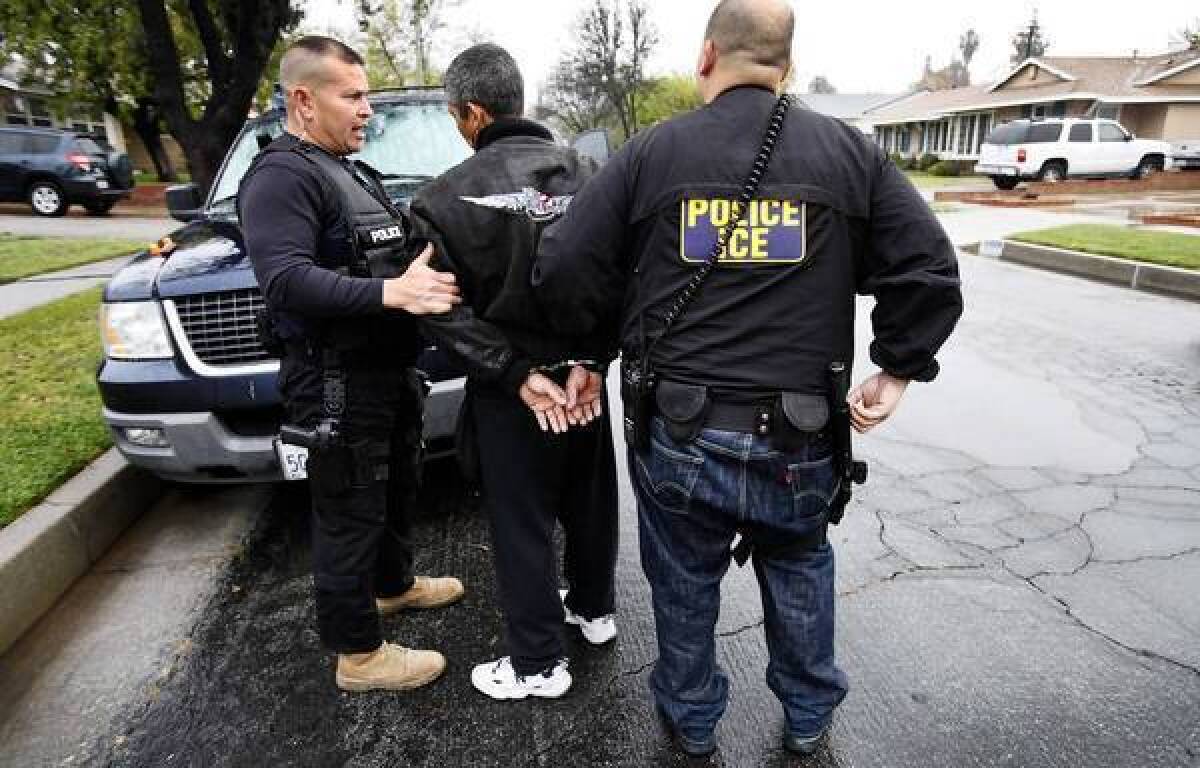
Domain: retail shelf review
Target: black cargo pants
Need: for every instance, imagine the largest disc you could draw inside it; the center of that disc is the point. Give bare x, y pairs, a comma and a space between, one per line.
362, 490
531, 479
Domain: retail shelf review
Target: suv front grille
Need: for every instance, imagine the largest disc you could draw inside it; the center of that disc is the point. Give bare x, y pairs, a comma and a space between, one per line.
220, 327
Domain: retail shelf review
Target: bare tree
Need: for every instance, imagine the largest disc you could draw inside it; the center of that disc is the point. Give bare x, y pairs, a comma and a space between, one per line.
605, 72
1029, 42
1189, 36
968, 44
821, 84
401, 36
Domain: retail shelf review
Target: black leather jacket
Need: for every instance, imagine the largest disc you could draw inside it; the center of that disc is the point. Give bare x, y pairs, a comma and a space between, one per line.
485, 218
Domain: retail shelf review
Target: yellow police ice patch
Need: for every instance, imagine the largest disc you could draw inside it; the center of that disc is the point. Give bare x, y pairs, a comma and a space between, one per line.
769, 233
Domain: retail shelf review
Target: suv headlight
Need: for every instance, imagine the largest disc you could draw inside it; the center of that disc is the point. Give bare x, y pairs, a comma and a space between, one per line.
134, 330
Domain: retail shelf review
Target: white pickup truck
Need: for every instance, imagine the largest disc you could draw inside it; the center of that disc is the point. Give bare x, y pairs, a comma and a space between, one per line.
1057, 148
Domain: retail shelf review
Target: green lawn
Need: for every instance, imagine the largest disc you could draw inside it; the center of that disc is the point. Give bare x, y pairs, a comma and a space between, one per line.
22, 256
1169, 248
50, 424
151, 177
924, 180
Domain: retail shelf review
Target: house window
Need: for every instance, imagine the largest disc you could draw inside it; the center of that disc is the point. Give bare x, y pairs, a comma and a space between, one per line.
1037, 111
40, 112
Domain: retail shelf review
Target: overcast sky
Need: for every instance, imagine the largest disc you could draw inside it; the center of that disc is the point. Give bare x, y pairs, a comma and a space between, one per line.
863, 46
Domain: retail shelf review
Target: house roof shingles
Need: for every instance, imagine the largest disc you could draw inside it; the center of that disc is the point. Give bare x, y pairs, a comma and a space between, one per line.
1107, 78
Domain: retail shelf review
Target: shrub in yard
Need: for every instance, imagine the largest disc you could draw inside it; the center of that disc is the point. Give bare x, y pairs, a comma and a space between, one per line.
945, 168
927, 161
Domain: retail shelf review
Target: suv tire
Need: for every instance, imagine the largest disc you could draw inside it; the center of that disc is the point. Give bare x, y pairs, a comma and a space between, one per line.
1005, 182
1053, 172
1147, 167
47, 199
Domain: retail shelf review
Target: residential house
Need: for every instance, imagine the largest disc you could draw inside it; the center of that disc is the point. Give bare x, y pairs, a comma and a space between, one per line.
850, 108
25, 103
1156, 97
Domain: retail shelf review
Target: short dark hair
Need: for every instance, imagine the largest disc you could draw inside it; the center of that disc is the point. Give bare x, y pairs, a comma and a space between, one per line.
747, 29
301, 60
488, 76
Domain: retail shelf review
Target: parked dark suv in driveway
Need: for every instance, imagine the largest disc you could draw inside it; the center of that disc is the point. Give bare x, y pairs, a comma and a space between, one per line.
188, 389
51, 169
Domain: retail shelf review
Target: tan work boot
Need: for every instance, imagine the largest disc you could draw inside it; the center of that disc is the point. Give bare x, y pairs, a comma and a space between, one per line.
425, 592
389, 667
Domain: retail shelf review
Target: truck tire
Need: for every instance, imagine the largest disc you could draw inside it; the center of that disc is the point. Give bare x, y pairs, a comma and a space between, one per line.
1005, 182
1149, 165
47, 199
1053, 171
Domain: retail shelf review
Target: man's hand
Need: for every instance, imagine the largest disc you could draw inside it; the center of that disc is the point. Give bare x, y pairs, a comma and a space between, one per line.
584, 388
547, 401
421, 290
874, 399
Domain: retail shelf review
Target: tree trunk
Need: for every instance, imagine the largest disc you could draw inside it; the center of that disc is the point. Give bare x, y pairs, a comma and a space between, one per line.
234, 66
148, 129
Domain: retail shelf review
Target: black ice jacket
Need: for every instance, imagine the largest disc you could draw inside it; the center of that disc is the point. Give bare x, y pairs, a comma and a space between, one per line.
833, 217
485, 218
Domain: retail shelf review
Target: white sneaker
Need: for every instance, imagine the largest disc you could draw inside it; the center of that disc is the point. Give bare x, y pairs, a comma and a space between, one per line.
499, 680
597, 631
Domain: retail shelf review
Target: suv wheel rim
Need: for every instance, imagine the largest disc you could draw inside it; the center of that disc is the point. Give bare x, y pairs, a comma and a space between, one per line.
45, 199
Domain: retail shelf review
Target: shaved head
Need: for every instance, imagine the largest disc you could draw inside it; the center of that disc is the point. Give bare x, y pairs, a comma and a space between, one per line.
758, 32
305, 61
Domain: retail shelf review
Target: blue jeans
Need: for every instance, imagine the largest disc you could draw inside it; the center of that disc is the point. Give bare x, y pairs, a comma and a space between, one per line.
692, 497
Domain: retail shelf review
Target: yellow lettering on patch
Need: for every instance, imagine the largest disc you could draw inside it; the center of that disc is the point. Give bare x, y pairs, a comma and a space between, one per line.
737, 250
696, 209
758, 243
791, 214
768, 213
719, 213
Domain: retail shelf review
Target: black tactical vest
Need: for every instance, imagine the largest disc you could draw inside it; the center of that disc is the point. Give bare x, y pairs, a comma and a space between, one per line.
368, 240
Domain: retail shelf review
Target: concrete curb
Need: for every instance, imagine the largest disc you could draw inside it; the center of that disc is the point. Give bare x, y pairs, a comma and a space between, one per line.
1172, 281
45, 550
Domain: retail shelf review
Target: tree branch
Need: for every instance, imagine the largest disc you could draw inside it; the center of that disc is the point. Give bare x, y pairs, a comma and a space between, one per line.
212, 40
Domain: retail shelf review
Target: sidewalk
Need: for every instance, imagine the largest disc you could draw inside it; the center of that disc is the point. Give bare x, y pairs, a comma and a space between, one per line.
34, 291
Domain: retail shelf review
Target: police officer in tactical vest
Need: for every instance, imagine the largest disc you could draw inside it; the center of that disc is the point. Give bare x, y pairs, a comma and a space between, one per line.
324, 238
731, 241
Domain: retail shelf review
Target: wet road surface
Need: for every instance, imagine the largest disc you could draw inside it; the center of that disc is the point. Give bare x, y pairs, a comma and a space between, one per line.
1017, 587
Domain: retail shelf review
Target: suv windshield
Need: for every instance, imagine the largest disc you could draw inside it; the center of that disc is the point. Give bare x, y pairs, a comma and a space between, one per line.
410, 142
1009, 133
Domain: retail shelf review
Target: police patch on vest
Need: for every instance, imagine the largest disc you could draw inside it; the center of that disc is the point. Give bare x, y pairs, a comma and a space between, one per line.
388, 234
529, 201
770, 233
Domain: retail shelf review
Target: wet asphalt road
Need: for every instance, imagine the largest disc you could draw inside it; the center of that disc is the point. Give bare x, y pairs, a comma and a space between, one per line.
1017, 587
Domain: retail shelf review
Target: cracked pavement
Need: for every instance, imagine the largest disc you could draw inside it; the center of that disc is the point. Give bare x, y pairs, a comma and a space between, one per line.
1017, 586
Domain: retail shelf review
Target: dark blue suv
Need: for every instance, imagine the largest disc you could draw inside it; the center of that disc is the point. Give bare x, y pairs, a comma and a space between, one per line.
51, 169
188, 389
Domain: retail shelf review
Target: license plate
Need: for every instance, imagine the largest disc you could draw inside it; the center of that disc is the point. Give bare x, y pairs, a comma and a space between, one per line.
101, 184
293, 460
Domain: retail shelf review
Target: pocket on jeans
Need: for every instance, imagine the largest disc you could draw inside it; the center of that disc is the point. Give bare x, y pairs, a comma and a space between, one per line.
812, 487
668, 475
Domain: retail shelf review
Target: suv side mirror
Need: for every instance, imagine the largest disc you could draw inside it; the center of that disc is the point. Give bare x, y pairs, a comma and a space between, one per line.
184, 203
593, 144
1130, 137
